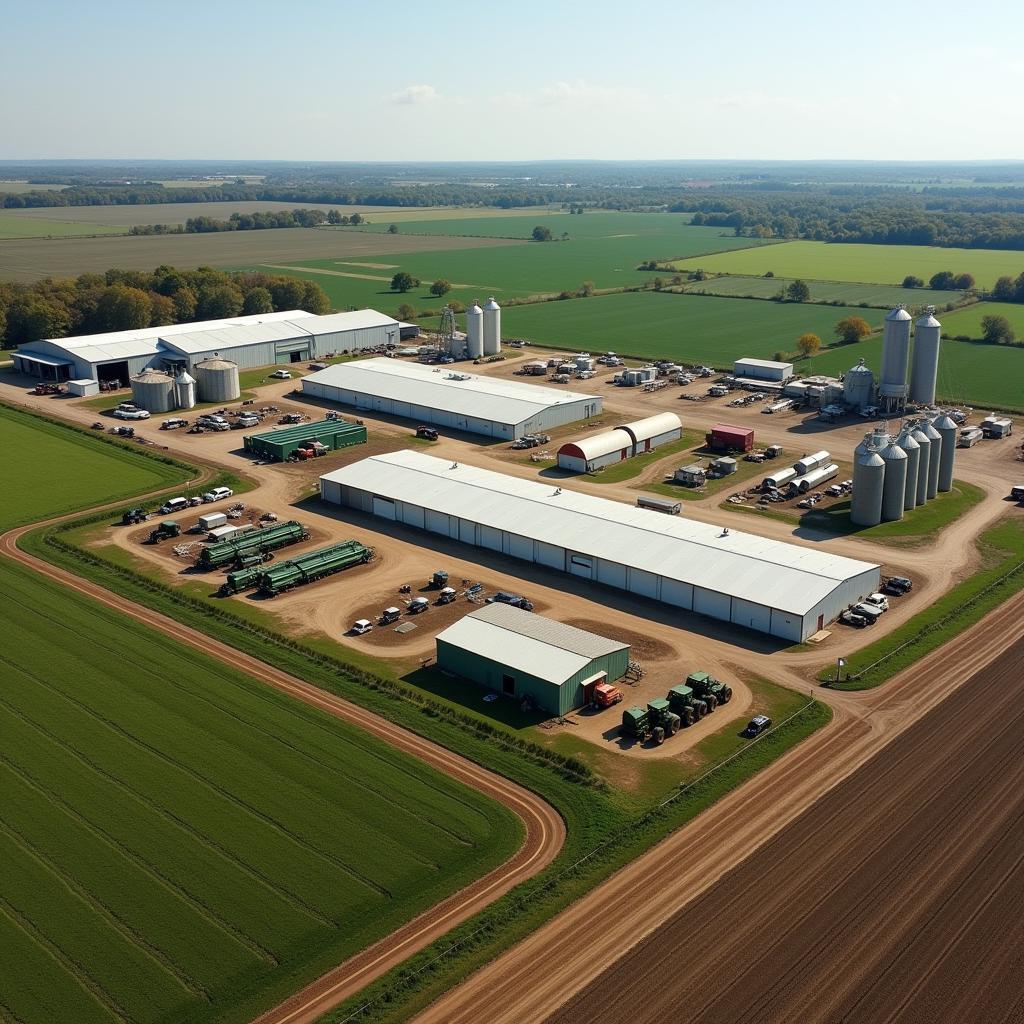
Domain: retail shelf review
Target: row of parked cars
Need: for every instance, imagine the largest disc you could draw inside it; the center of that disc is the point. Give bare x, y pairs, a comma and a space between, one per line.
871, 609
180, 504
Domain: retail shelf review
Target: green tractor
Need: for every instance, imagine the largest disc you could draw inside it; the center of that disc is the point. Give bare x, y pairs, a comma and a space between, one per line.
654, 722
686, 704
167, 530
636, 723
709, 689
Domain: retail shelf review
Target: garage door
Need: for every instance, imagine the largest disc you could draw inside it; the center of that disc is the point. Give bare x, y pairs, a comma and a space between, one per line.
581, 565
787, 626
611, 573
519, 547
383, 507
677, 593
548, 554
644, 583
402, 409
467, 531
753, 616
412, 514
709, 602
489, 537
436, 522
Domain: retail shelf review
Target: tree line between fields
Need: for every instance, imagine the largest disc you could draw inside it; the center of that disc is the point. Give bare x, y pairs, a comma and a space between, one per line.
259, 221
122, 300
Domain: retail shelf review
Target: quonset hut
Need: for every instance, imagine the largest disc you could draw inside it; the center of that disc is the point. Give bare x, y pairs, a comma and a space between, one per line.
599, 450
783, 589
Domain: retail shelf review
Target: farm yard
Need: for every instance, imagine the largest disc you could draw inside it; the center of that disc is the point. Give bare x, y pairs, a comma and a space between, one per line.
881, 264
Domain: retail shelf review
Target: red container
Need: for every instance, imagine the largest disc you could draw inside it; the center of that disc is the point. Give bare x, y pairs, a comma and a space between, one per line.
724, 438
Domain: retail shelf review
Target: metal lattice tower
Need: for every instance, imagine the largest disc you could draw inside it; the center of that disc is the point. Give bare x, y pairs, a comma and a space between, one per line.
447, 329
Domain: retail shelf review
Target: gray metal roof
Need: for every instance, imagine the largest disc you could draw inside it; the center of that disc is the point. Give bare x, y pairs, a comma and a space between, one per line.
466, 394
527, 642
775, 574
354, 320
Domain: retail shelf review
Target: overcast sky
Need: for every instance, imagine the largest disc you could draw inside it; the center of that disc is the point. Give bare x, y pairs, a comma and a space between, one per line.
452, 80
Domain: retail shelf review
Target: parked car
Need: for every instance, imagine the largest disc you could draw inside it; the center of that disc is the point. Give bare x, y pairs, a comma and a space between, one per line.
757, 725
173, 423
878, 601
504, 597
127, 411
897, 586
849, 618
218, 494
361, 626
173, 505
282, 375
868, 611
427, 433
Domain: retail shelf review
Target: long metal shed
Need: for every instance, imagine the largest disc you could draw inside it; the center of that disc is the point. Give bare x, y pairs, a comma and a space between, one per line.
449, 397
279, 444
622, 442
786, 590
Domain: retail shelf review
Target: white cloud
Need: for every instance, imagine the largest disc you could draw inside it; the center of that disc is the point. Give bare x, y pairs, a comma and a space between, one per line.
415, 95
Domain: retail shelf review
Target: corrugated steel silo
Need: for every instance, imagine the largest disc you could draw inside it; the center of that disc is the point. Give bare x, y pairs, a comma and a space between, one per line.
946, 429
892, 385
217, 380
934, 457
894, 486
868, 484
913, 449
924, 370
924, 442
153, 390
492, 327
475, 331
185, 390
858, 386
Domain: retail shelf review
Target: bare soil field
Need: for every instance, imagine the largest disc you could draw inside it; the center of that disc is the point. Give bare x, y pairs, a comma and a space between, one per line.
34, 258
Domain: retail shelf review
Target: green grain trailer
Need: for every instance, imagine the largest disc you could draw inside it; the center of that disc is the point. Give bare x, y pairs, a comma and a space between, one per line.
313, 566
241, 579
252, 542
278, 445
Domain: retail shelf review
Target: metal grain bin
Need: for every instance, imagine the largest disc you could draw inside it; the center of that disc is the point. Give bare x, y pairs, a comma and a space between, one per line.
868, 484
153, 390
894, 485
925, 444
913, 450
946, 429
858, 386
934, 457
217, 380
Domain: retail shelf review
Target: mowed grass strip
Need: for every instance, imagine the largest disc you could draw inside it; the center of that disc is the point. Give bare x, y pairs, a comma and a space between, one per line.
662, 325
879, 264
189, 844
50, 469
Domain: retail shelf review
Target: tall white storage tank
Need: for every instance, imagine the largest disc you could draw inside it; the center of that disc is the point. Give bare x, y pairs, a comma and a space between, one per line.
924, 442
153, 390
913, 449
934, 457
475, 331
858, 386
868, 484
924, 369
492, 328
894, 485
946, 429
892, 385
185, 390
217, 380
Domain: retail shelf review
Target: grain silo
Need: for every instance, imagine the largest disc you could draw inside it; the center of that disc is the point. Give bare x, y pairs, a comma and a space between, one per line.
946, 429
858, 386
153, 390
924, 442
217, 380
492, 328
913, 449
475, 331
924, 369
934, 457
894, 485
868, 484
892, 385
184, 390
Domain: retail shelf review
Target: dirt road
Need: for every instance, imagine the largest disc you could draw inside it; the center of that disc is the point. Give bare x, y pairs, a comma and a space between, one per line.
584, 944
896, 897
544, 828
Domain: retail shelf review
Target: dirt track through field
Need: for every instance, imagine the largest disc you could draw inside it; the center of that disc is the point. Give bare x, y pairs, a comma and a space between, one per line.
585, 948
543, 827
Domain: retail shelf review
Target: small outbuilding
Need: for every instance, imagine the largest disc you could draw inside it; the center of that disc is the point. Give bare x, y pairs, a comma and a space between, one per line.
83, 388
623, 442
762, 369
725, 438
527, 656
691, 476
724, 466
279, 445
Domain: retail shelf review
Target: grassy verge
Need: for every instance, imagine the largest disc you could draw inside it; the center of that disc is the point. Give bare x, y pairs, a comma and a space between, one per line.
630, 468
105, 403
1002, 549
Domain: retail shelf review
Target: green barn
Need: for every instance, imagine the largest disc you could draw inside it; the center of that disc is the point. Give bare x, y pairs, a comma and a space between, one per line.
278, 445
519, 654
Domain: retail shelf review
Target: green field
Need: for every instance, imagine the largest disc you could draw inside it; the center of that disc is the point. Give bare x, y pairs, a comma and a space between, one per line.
885, 264
969, 372
50, 469
182, 843
691, 328
852, 294
968, 321
14, 226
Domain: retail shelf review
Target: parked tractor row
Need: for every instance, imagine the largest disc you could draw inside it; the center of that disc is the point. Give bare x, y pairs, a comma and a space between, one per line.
684, 704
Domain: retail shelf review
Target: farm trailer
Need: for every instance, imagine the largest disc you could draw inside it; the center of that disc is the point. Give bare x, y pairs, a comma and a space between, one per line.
279, 445
313, 566
251, 542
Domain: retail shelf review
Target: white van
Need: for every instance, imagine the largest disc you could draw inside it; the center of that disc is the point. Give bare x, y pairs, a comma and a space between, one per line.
174, 505
218, 494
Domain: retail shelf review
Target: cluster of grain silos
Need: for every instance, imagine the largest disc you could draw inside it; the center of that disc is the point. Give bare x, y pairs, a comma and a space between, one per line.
901, 377
894, 474
216, 380
483, 329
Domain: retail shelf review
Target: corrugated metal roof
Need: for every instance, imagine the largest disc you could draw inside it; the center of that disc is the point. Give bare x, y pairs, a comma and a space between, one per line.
225, 338
596, 445
486, 398
40, 358
768, 363
652, 426
776, 574
530, 643
354, 320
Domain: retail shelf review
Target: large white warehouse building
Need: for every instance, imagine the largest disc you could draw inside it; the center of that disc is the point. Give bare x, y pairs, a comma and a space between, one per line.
450, 398
262, 339
786, 590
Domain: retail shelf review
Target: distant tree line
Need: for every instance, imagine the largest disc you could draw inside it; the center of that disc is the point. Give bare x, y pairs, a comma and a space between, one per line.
252, 222
121, 300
